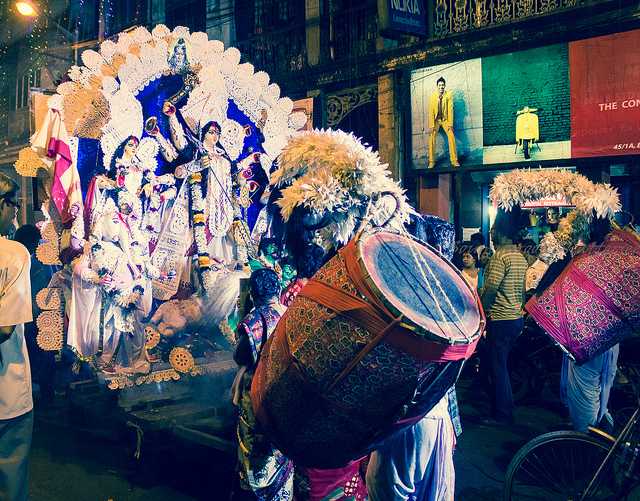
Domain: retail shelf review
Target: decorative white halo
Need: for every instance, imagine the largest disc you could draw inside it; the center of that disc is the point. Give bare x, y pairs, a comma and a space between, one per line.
122, 68
330, 171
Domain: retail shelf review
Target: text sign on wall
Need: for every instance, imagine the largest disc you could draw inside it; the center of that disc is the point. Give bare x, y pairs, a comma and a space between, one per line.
402, 16
605, 95
555, 201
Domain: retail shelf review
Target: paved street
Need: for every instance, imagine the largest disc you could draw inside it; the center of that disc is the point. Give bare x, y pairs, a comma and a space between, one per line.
483, 452
85, 463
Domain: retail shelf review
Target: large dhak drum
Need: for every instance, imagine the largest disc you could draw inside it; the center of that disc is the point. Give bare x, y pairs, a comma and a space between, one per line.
595, 302
372, 342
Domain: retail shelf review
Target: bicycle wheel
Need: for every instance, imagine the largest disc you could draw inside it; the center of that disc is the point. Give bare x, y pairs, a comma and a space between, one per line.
558, 466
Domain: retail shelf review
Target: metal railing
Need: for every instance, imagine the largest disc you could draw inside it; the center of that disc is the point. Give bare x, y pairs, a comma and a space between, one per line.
276, 52
353, 31
459, 16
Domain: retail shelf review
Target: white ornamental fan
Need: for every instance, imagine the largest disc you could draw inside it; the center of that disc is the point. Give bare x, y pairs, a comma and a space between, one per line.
92, 59
261, 80
230, 61
273, 92
199, 42
108, 50
285, 105
181, 32
160, 31
141, 35
245, 71
124, 43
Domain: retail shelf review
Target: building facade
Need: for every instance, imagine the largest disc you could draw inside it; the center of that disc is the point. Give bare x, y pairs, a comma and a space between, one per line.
371, 67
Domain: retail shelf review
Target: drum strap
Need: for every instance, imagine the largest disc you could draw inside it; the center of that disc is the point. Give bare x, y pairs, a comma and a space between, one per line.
369, 318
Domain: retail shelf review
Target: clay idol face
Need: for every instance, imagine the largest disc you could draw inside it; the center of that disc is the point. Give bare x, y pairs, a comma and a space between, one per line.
131, 147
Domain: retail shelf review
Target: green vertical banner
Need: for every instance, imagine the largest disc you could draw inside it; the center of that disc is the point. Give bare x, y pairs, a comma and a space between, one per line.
537, 79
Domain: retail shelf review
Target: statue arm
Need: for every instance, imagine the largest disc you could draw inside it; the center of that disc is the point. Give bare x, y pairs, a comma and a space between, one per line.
177, 132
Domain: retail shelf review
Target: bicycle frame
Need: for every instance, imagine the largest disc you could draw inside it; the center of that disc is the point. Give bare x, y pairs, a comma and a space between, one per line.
622, 436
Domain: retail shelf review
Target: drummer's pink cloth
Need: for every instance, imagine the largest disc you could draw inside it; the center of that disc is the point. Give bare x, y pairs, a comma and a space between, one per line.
337, 483
595, 302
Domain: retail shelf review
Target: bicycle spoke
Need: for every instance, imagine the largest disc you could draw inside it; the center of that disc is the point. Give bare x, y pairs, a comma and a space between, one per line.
549, 476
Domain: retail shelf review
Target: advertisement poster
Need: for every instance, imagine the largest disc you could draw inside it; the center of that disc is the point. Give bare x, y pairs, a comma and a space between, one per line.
605, 95
526, 99
561, 101
455, 137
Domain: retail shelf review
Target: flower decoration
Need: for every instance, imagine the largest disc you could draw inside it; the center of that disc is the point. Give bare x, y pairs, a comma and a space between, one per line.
197, 184
28, 163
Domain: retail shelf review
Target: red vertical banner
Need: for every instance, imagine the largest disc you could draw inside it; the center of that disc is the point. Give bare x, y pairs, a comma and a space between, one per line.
605, 95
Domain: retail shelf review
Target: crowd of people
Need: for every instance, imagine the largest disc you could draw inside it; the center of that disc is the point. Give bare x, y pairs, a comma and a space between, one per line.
415, 464
499, 277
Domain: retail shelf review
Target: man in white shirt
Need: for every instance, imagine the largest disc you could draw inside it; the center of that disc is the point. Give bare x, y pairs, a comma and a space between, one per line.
16, 404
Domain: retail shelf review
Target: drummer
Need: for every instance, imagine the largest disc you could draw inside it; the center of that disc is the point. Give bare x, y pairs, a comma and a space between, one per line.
585, 388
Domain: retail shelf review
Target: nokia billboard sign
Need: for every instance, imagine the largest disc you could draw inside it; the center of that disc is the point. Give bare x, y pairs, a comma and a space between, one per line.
402, 17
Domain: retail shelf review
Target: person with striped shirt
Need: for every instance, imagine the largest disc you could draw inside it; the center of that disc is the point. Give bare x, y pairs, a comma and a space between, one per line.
503, 302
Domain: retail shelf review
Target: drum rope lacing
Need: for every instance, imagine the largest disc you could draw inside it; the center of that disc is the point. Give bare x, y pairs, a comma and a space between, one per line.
421, 264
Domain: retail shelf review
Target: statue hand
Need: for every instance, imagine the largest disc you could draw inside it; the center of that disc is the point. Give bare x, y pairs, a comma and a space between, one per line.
206, 161
106, 280
168, 108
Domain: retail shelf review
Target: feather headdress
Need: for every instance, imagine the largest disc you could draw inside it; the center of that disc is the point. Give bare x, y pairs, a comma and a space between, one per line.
526, 185
330, 172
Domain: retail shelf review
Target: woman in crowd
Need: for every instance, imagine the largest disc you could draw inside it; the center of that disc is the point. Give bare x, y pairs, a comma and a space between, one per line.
263, 468
470, 272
